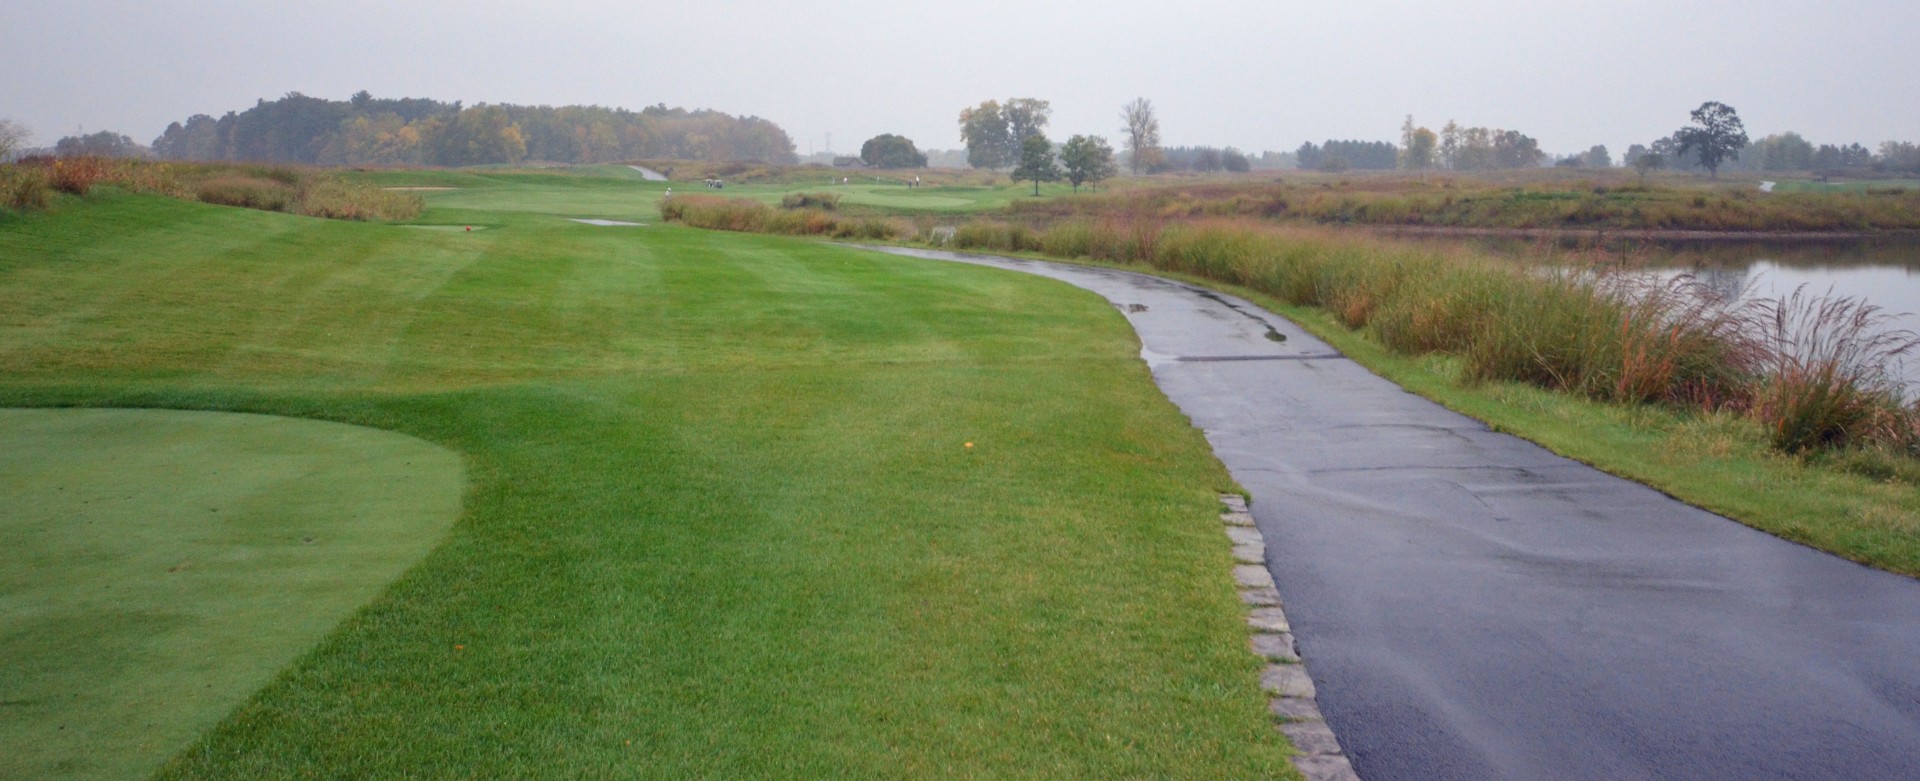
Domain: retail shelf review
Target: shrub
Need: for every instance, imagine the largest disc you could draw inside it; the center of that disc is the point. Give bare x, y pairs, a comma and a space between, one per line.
333, 198
822, 201
247, 192
77, 175
739, 214
24, 187
716, 213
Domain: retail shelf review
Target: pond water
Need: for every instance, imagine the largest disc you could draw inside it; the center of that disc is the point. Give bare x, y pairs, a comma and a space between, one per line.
1884, 273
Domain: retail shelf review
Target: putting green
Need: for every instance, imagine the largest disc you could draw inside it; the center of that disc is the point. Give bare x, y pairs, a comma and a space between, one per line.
160, 566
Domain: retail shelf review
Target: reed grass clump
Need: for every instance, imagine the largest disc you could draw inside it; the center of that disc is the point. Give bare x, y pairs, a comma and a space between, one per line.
247, 192
1830, 381
822, 201
77, 175
266, 187
24, 188
749, 216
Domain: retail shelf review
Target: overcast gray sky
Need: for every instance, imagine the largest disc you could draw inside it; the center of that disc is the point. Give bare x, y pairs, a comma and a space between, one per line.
1257, 75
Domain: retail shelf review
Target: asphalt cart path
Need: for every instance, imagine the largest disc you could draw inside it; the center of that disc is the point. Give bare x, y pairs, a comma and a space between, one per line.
1471, 606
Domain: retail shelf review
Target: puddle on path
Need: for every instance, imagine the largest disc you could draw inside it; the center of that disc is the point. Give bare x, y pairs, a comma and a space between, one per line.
1272, 334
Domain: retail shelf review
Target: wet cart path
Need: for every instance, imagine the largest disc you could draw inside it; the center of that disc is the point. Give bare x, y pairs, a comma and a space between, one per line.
1472, 606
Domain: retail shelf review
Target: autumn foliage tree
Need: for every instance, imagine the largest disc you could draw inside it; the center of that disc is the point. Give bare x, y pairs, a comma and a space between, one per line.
418, 131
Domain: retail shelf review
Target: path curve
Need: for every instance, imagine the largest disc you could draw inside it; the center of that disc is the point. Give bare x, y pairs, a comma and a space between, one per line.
649, 174
1472, 606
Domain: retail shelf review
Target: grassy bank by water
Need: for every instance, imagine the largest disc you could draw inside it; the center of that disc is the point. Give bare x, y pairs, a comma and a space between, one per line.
723, 519
1548, 200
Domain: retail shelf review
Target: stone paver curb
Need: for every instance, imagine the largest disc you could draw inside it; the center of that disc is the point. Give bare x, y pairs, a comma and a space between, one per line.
1260, 597
1253, 576
1268, 619
1287, 680
1293, 705
1326, 767
1276, 646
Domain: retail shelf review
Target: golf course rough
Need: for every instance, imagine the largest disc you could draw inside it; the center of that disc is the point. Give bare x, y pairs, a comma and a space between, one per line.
163, 565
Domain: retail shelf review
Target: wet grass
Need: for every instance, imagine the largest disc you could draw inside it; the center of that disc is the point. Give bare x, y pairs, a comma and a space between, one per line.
162, 566
723, 520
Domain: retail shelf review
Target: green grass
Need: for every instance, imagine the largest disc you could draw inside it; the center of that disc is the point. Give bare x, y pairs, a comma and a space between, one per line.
617, 192
163, 565
1910, 185
721, 520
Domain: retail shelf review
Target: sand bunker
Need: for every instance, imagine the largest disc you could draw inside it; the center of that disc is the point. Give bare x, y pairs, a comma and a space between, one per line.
606, 222
417, 189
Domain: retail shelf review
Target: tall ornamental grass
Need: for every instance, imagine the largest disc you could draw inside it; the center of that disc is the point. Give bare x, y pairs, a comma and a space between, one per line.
30, 184
740, 214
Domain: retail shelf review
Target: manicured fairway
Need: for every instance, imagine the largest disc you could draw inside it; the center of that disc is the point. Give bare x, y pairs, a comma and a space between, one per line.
617, 192
722, 517
161, 566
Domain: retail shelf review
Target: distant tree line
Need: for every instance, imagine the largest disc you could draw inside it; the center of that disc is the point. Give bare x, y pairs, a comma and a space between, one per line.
1205, 159
1789, 152
1344, 155
418, 131
105, 143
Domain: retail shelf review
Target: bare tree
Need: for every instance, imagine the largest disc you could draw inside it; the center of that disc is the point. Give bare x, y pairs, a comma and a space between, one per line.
13, 138
1143, 134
